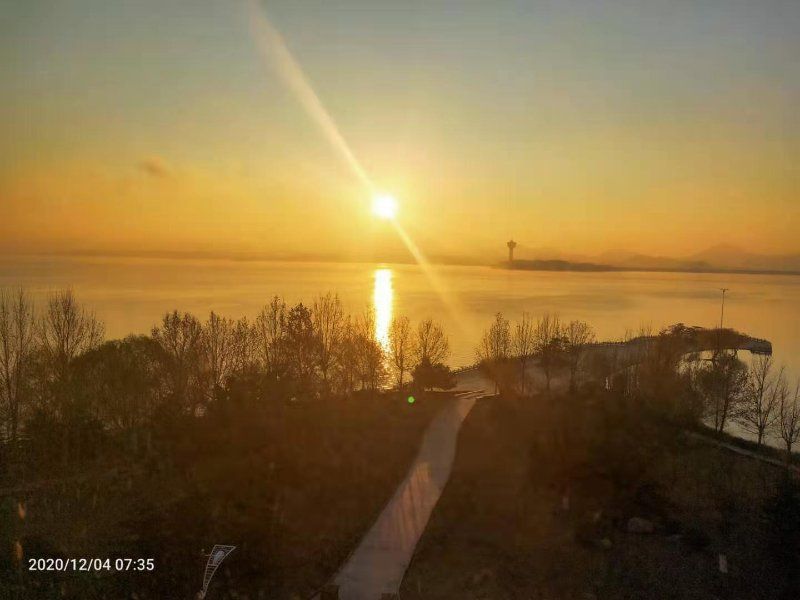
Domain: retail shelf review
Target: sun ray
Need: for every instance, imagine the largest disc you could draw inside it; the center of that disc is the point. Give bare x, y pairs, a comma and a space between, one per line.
274, 50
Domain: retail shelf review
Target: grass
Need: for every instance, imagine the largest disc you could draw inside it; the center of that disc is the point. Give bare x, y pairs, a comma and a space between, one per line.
502, 528
293, 487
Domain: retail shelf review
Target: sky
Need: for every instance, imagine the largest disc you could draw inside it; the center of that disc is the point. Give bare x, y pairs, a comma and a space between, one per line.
167, 127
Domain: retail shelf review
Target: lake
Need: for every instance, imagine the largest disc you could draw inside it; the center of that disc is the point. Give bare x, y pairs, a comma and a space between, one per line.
131, 295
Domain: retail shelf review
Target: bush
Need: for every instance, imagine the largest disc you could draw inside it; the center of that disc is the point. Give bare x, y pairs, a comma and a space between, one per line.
427, 376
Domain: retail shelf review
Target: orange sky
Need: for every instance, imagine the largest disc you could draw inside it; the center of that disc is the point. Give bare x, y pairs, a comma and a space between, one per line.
141, 129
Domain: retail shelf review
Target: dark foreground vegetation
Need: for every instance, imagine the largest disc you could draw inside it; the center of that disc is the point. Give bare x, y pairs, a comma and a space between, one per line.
595, 494
590, 481
275, 436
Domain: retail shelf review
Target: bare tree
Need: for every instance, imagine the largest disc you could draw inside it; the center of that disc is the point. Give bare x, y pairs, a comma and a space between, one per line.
244, 348
722, 383
432, 344
16, 347
371, 358
760, 403
67, 330
347, 356
400, 347
221, 354
328, 317
180, 337
577, 335
270, 331
789, 416
494, 350
523, 344
549, 345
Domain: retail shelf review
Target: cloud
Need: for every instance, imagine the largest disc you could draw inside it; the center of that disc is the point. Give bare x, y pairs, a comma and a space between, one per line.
155, 167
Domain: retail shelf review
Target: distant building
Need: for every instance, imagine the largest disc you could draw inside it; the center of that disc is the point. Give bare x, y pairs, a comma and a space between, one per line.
511, 245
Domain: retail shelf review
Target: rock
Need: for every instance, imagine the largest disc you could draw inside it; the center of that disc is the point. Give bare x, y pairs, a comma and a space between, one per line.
640, 525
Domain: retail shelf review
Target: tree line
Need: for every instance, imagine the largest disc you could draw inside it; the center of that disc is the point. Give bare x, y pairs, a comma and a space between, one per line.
663, 370
505, 352
61, 380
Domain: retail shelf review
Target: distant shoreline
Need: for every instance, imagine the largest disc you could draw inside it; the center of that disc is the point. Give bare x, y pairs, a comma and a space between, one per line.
581, 267
518, 265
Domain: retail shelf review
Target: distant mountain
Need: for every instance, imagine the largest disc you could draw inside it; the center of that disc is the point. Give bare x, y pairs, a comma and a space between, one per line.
732, 257
633, 260
717, 258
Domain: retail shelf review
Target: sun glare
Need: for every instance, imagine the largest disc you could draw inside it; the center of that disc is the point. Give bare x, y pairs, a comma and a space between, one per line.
384, 207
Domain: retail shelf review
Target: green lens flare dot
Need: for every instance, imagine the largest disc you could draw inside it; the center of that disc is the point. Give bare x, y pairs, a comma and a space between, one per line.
411, 400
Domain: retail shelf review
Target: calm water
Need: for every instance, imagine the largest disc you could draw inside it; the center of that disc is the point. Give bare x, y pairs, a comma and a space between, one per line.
130, 295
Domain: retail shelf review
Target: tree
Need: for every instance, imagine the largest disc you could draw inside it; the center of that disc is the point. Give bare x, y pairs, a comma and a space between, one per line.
400, 347
225, 346
523, 346
432, 343
789, 416
180, 337
761, 399
549, 345
370, 356
328, 318
301, 345
577, 335
494, 351
66, 330
428, 376
347, 356
722, 383
269, 333
120, 382
16, 349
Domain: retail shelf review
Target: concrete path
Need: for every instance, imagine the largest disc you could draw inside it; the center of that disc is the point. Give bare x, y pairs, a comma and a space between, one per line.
378, 564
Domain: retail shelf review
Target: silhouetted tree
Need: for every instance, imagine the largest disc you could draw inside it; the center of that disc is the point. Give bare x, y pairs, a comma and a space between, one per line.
270, 337
722, 382
328, 319
17, 341
301, 346
577, 335
400, 347
549, 345
226, 349
347, 356
761, 400
120, 384
494, 351
66, 330
429, 376
432, 344
788, 423
523, 346
180, 337
370, 357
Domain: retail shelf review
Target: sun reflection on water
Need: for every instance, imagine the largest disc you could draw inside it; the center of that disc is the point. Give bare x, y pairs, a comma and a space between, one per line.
382, 299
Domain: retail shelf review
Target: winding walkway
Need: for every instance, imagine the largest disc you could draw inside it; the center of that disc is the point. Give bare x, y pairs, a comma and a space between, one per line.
379, 562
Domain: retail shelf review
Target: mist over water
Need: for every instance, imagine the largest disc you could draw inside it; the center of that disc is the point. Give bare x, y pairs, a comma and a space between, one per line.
131, 295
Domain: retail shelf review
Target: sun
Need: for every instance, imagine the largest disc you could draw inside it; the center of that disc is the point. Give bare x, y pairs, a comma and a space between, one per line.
384, 207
